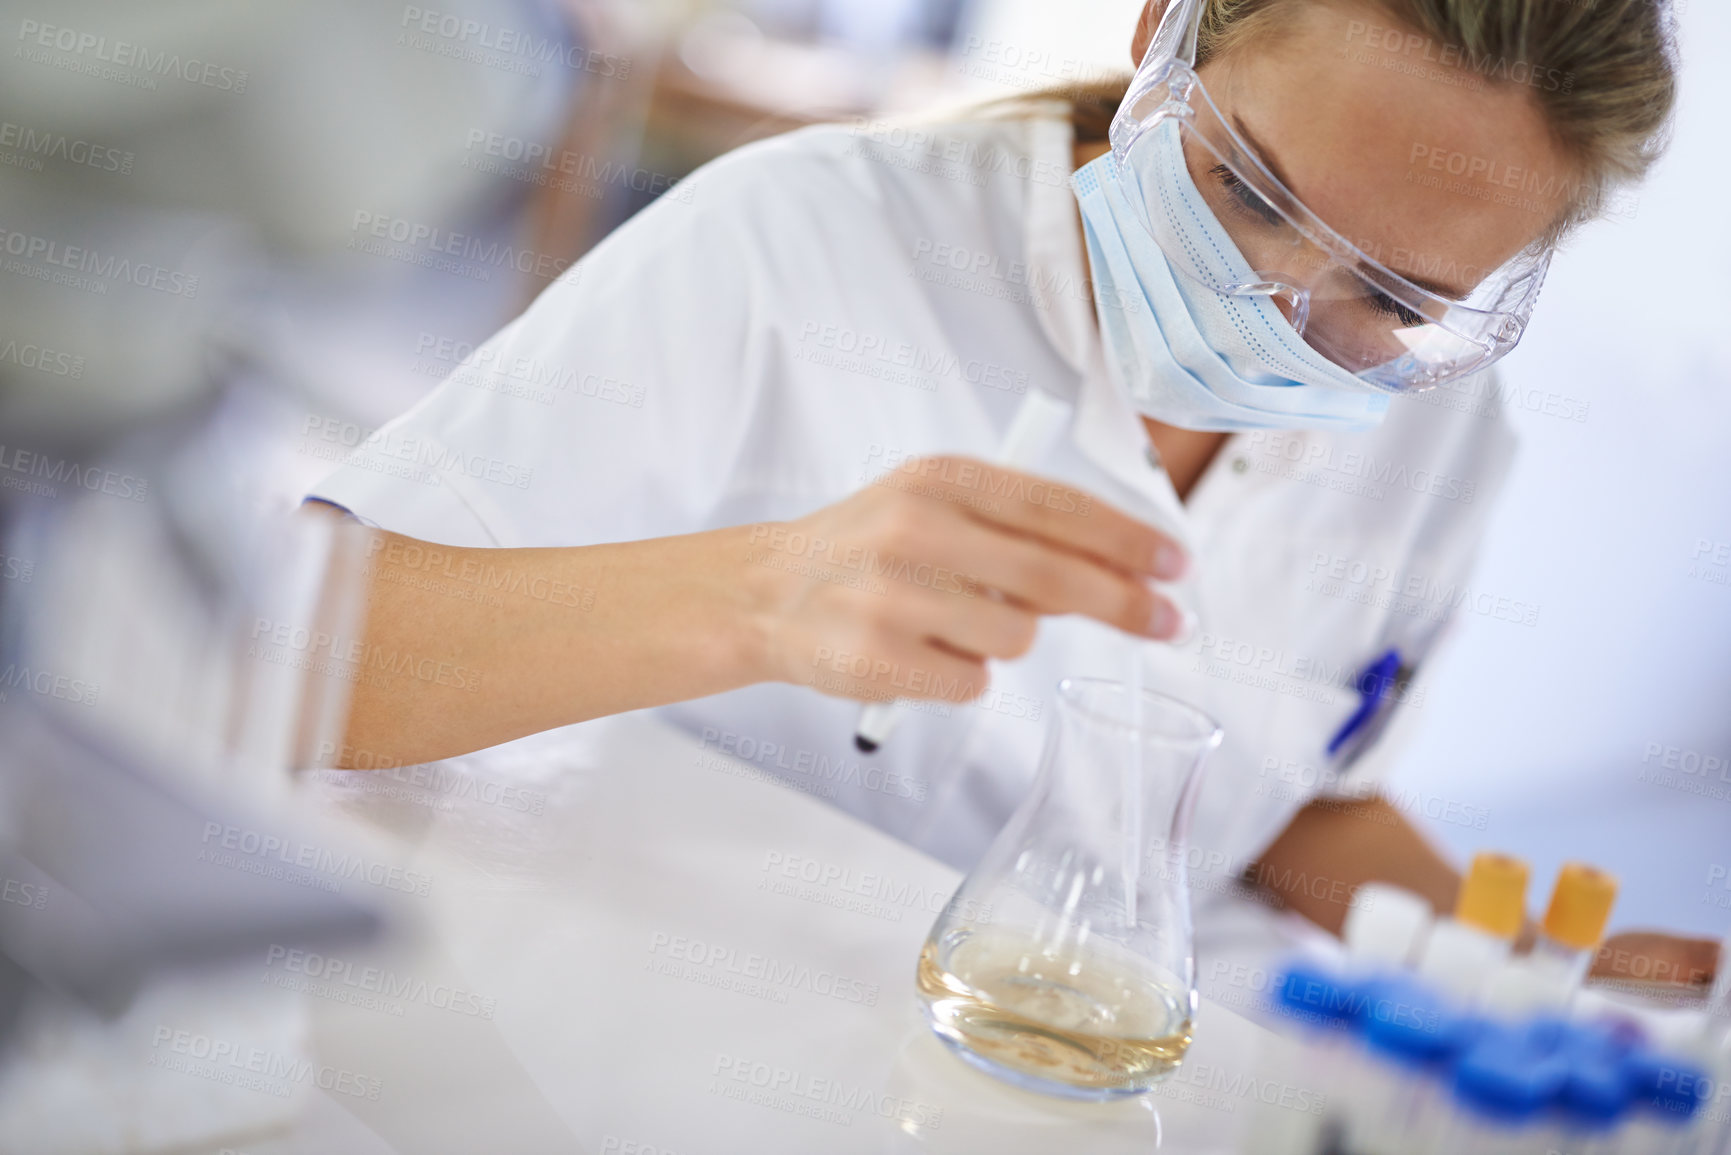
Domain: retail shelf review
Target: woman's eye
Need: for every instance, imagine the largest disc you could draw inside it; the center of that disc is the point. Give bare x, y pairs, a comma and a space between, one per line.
1244, 197
1389, 307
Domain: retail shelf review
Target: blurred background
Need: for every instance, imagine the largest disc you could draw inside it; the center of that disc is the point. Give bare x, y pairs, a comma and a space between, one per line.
236, 237
1603, 731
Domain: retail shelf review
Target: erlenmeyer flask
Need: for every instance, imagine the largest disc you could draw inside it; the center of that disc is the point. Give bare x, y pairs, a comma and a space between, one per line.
1065, 961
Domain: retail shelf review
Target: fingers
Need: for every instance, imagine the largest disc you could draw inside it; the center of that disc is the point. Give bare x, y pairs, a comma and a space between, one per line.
882, 669
975, 627
1047, 580
957, 677
1046, 509
908, 588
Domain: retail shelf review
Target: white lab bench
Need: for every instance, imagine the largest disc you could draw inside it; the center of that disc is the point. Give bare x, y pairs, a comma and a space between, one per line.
633, 944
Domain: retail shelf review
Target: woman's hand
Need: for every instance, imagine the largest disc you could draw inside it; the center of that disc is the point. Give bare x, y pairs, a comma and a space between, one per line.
1657, 959
906, 588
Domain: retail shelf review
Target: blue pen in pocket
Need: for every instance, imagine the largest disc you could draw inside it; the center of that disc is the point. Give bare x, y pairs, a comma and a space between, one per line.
1375, 686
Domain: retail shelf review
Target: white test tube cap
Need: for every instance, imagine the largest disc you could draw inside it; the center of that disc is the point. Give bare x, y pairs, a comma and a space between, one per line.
1385, 924
1460, 959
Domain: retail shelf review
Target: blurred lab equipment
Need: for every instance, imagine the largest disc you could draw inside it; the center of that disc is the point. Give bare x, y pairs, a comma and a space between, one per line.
1441, 1051
205, 205
1410, 1069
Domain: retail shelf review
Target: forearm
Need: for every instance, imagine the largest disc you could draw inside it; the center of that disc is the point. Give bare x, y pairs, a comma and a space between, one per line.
1333, 846
467, 648
894, 590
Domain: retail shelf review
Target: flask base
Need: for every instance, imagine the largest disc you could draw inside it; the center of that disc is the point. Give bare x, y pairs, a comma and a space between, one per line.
1074, 1062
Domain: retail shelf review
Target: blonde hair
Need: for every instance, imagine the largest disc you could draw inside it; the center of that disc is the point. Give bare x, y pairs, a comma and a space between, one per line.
1611, 66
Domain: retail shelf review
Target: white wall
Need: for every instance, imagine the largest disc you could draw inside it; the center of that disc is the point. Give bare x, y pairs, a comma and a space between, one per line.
1036, 43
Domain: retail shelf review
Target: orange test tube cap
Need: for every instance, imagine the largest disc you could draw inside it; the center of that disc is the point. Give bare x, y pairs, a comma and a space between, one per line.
1580, 906
1493, 896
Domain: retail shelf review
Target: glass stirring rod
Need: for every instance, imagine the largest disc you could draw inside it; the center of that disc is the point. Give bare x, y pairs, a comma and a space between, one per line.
1132, 791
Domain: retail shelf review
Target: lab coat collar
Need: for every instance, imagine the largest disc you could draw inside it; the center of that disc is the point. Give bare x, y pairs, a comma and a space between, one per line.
1106, 428
1057, 272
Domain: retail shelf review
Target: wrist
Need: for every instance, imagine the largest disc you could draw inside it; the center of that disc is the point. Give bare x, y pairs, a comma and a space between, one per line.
753, 593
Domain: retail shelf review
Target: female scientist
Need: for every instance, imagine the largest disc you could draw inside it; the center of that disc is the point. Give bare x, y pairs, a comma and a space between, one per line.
736, 462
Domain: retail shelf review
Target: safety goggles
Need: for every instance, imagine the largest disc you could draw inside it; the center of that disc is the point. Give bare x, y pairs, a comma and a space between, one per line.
1346, 304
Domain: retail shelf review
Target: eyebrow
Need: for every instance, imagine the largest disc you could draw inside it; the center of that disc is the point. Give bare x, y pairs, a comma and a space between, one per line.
1262, 153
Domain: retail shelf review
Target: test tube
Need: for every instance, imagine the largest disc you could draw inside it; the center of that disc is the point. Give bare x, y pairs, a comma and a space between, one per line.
1574, 924
1503, 1088
1324, 1005
1385, 930
1462, 953
1568, 939
1596, 1097
1692, 1108
1410, 1037
1668, 1091
1712, 1132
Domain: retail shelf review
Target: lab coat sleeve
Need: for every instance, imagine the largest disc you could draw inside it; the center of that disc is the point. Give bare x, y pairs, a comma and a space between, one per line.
615, 407
398, 478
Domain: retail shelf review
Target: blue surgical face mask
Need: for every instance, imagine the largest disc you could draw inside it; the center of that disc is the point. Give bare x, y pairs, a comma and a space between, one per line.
1187, 355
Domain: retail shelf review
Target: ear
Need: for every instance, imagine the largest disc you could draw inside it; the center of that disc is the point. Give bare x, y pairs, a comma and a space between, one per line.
1145, 26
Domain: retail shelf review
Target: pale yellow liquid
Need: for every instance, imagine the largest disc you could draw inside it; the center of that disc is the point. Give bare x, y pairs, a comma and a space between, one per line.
1095, 1020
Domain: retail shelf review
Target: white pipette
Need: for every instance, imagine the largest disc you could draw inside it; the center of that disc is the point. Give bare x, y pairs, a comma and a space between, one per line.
1037, 423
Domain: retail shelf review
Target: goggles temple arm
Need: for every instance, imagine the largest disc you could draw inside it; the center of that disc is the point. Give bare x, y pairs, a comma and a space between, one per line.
1177, 35
1298, 300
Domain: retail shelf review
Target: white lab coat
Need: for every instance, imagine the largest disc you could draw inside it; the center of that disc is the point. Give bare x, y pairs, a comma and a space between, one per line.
805, 312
